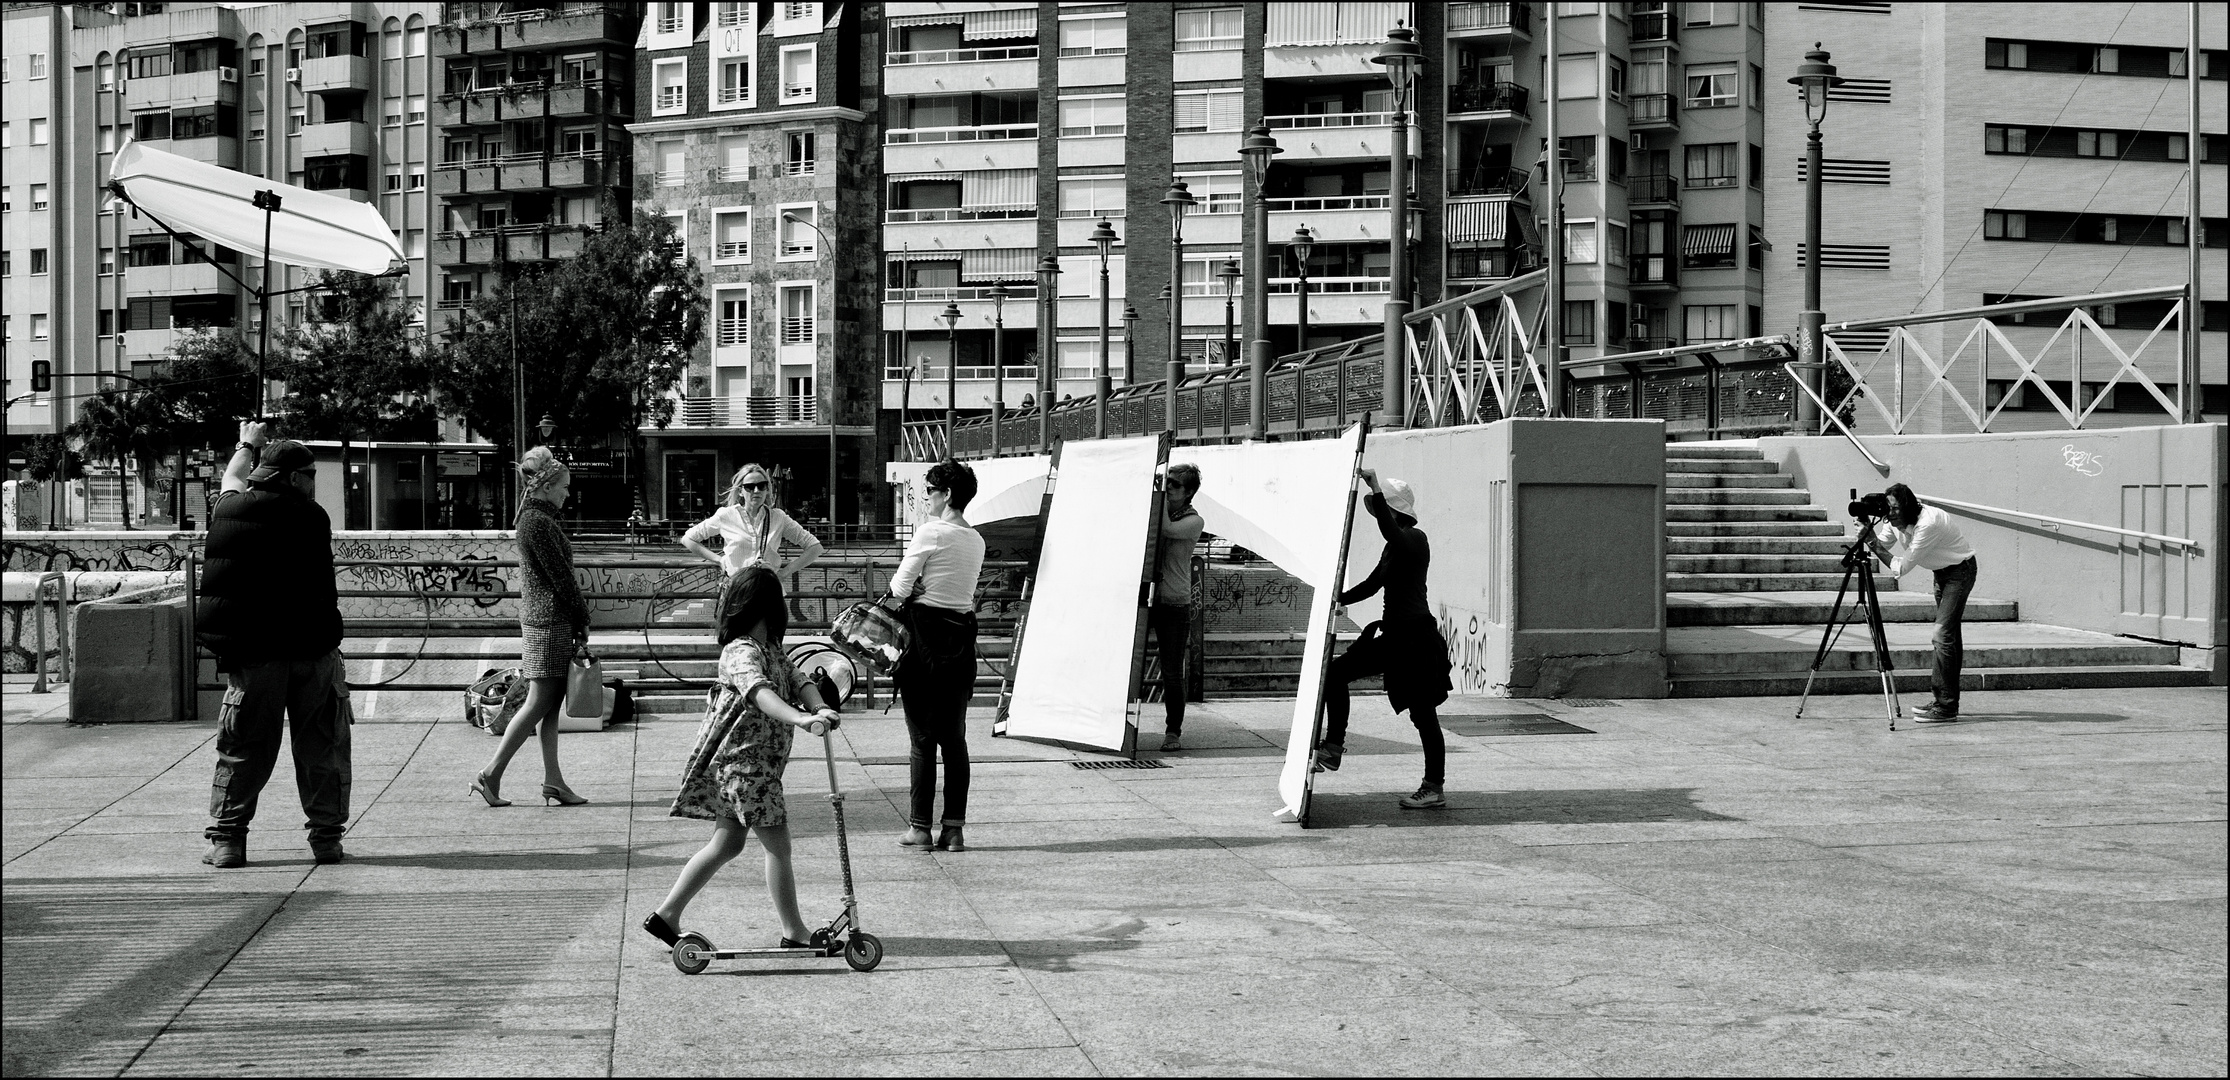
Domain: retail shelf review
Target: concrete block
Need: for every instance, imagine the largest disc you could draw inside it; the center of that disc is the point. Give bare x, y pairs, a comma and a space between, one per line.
127, 650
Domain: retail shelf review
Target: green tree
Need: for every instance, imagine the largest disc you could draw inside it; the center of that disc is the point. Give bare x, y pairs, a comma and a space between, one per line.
117, 425
207, 385
360, 372
603, 337
48, 457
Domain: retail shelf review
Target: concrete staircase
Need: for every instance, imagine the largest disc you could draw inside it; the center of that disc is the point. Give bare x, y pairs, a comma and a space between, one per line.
1751, 570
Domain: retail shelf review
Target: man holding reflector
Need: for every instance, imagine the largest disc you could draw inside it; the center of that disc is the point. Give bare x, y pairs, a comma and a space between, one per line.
1404, 646
1171, 615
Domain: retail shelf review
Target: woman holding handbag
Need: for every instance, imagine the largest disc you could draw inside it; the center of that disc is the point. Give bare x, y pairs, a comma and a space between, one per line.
553, 627
937, 673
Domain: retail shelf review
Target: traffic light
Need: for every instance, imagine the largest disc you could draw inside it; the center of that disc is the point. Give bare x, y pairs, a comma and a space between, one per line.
42, 376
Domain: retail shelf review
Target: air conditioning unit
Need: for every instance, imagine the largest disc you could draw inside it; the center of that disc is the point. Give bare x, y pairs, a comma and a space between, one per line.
294, 75
228, 74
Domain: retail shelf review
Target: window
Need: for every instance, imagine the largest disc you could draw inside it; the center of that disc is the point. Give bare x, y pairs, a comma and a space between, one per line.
666, 157
148, 251
1579, 322
7, 262
797, 315
38, 196
1092, 116
2107, 61
150, 63
415, 112
1710, 85
580, 68
1711, 322
802, 153
255, 63
39, 260
1581, 149
38, 328
1092, 196
733, 318
38, 131
1711, 14
38, 65
1999, 139
2095, 144
1575, 76
671, 82
1209, 110
1757, 87
1095, 35
735, 81
1579, 242
577, 142
1711, 165
1757, 166
148, 126
731, 13
107, 263
798, 73
1758, 248
678, 240
1209, 30
1614, 251
799, 240
414, 41
731, 235
104, 322
337, 171
1614, 78
672, 18
1707, 247
392, 180
735, 157
1216, 192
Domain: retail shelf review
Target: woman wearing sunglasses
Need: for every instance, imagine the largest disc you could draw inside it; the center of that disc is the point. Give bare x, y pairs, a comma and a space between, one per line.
752, 530
937, 674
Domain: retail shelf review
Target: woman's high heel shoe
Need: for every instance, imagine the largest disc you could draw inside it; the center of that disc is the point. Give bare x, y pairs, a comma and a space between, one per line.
656, 926
551, 793
486, 789
949, 839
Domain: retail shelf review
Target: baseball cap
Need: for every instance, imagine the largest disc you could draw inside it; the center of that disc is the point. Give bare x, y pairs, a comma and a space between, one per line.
1399, 498
280, 458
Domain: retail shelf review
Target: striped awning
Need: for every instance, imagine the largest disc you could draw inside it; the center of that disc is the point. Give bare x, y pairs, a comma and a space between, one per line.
922, 255
940, 18
1484, 222
1005, 23
999, 187
1708, 240
999, 264
926, 178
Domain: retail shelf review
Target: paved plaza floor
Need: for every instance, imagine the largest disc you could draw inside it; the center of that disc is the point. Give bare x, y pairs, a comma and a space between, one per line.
1683, 887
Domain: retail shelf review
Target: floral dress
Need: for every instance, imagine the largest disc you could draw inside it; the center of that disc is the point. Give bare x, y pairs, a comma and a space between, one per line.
735, 770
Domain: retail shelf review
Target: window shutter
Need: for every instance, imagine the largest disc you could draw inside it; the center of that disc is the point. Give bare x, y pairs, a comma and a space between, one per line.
1192, 112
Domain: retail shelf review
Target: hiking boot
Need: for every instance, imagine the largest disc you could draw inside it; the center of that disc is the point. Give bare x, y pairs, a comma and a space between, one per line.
1428, 797
227, 854
1935, 713
327, 851
1328, 756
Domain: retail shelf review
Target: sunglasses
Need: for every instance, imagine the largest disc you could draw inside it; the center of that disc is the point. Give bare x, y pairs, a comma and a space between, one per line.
760, 486
939, 490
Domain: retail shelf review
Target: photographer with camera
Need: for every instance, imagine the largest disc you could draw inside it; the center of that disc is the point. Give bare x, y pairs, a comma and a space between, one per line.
1931, 541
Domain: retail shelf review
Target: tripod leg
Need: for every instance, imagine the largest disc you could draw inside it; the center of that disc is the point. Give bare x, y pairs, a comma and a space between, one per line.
1828, 633
1870, 595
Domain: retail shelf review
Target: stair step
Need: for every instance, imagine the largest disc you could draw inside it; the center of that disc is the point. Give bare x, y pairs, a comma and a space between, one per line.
1684, 479
1912, 683
1811, 608
1719, 465
1831, 546
1679, 496
1752, 583
1674, 451
1730, 514
1773, 528
1717, 562
1761, 650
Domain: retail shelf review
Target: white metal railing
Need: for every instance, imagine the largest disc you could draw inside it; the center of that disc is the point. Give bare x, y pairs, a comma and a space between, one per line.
961, 56
800, 168
672, 24
733, 333
798, 247
729, 95
973, 133
1325, 120
1332, 202
963, 213
732, 249
1897, 405
957, 292
739, 15
985, 372
2140, 534
794, 92
797, 330
1320, 286
742, 410
673, 97
733, 173
670, 178
1471, 357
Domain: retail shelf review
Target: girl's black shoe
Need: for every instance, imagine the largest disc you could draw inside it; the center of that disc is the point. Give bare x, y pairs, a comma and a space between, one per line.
656, 926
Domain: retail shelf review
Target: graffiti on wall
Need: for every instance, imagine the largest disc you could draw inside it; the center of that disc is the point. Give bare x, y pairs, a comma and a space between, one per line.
152, 554
1470, 661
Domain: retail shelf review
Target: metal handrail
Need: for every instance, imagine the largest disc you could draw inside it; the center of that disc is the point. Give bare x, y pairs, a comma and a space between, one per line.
61, 627
2162, 538
2056, 303
1828, 411
1768, 341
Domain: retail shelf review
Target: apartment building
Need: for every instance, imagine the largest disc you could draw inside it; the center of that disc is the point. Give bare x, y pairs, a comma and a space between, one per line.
755, 136
1981, 153
34, 297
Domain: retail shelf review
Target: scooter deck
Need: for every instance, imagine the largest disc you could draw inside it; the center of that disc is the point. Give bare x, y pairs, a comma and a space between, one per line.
772, 950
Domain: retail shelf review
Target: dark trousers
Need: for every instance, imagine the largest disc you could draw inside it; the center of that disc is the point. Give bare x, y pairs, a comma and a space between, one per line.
259, 699
1172, 626
1953, 583
935, 680
1362, 660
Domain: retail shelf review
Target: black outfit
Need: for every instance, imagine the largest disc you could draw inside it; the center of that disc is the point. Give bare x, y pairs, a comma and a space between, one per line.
936, 676
1172, 626
1405, 646
269, 609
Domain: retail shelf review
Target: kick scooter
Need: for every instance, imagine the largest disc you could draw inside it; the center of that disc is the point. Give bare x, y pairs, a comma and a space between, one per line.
841, 937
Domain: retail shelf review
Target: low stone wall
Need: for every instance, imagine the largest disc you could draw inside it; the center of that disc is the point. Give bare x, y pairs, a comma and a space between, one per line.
19, 635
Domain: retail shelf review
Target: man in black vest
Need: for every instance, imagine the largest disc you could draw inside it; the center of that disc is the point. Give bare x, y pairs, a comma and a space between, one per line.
269, 610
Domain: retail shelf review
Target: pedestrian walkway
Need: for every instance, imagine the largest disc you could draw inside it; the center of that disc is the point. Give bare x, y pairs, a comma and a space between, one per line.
1667, 887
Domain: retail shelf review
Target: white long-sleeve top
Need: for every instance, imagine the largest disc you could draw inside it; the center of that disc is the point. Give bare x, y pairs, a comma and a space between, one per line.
945, 559
1934, 542
751, 539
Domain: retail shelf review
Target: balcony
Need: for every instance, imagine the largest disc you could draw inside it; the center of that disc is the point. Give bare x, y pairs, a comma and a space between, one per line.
1650, 189
746, 411
1652, 27
326, 74
972, 133
953, 293
945, 71
584, 169
1491, 181
963, 213
1483, 264
342, 137
1340, 218
1355, 136
1494, 99
1480, 20
580, 25
1653, 271
1647, 111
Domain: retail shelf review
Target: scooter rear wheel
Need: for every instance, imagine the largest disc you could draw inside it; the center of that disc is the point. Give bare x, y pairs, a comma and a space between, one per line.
863, 952
692, 951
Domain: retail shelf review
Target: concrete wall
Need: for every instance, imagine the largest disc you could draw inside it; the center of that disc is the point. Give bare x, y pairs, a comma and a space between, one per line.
2164, 480
1548, 551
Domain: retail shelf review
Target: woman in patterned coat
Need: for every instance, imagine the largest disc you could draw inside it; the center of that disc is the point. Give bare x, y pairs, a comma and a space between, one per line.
733, 777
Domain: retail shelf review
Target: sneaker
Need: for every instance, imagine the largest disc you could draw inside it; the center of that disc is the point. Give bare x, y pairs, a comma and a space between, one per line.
1935, 713
1428, 797
1328, 756
227, 854
327, 851
1172, 741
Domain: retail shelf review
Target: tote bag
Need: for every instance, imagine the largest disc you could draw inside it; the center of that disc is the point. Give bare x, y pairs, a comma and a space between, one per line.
584, 686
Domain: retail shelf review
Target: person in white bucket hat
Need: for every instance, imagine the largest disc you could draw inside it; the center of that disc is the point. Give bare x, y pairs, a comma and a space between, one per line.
1404, 645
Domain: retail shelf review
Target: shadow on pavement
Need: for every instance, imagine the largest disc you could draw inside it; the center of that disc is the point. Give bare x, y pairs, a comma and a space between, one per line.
1150, 843
2032, 717
1581, 806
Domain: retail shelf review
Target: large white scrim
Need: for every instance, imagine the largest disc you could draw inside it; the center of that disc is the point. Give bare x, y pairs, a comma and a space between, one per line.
1072, 680
1006, 488
310, 228
1288, 502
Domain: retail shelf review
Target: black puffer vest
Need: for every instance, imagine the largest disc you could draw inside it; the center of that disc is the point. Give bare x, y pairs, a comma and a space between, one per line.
268, 591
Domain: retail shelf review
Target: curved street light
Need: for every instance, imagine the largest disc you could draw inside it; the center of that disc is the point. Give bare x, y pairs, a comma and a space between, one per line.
1302, 243
951, 318
1402, 57
1815, 76
999, 296
1049, 273
1104, 238
1258, 149
1180, 201
1229, 275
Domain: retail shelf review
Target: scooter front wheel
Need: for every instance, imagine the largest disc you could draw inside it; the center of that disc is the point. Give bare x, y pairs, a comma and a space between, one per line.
863, 952
692, 951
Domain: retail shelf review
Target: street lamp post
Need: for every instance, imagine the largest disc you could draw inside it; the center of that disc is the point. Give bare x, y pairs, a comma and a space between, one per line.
951, 318
1402, 57
999, 296
830, 416
1230, 275
1049, 273
1130, 344
1553, 166
1816, 76
1258, 149
1178, 200
1302, 243
1105, 239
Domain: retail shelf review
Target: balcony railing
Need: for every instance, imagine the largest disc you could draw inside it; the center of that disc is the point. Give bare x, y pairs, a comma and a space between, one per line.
1491, 182
1332, 202
1320, 286
798, 247
800, 168
1516, 15
1650, 110
730, 95
672, 97
797, 330
1649, 26
797, 92
897, 294
732, 249
1483, 263
1332, 120
1025, 373
1488, 97
962, 213
973, 133
733, 333
1652, 188
1653, 270
961, 56
746, 411
673, 24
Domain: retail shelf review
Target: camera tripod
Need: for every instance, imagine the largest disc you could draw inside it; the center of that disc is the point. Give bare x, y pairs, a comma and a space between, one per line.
1858, 563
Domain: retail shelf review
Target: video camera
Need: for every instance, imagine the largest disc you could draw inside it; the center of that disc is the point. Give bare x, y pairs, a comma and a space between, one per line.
1877, 506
